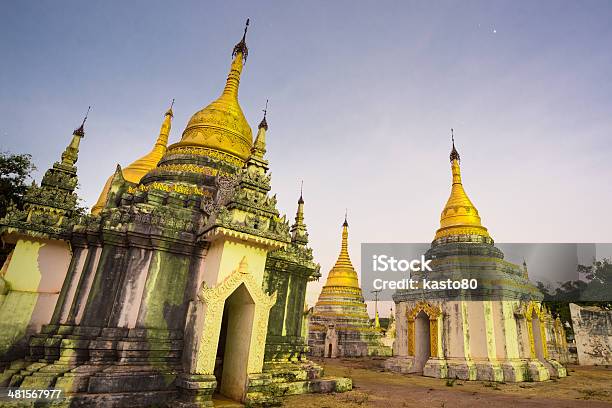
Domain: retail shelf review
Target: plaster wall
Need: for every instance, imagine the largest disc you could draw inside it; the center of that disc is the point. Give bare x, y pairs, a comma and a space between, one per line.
478, 330
85, 284
593, 334
224, 255
34, 275
454, 330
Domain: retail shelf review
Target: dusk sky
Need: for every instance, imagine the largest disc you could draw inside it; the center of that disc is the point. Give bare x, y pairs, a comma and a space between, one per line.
362, 97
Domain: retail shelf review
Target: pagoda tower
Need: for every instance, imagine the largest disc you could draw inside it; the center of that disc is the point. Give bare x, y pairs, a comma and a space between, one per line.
340, 325
32, 276
494, 332
185, 281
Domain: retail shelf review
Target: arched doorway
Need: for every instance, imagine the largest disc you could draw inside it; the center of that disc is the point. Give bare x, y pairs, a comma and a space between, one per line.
234, 345
422, 350
330, 350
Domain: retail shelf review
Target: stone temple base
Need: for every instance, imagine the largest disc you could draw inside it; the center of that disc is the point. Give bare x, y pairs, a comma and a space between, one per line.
352, 349
119, 368
265, 389
480, 370
380, 351
130, 386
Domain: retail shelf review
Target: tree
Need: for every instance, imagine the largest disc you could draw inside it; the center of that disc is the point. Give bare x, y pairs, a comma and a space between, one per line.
595, 289
15, 170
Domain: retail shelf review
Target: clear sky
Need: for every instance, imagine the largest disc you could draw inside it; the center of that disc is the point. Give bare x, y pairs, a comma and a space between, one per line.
362, 96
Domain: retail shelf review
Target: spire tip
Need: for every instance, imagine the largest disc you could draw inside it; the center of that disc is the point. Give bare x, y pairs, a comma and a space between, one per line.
454, 155
241, 47
301, 200
80, 131
264, 122
169, 111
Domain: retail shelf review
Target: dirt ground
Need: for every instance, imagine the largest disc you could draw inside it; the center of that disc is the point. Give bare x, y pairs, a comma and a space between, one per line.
374, 387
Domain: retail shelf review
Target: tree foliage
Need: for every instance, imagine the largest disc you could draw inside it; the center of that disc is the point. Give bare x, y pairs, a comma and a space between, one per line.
15, 171
595, 289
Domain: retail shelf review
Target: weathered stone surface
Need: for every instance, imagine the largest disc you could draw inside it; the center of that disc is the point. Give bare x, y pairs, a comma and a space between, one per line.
593, 334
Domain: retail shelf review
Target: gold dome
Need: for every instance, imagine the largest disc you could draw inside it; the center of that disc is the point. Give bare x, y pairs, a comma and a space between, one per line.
137, 170
222, 125
343, 273
459, 216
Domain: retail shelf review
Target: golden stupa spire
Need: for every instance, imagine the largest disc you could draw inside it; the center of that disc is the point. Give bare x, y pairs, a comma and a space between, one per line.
240, 55
221, 125
259, 147
71, 154
137, 170
459, 216
298, 229
343, 273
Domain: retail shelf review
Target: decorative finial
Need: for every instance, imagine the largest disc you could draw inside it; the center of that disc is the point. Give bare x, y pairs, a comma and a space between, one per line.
243, 266
301, 200
241, 47
264, 122
169, 111
345, 224
454, 155
81, 129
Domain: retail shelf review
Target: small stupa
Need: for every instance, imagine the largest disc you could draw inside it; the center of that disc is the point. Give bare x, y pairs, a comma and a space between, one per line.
340, 325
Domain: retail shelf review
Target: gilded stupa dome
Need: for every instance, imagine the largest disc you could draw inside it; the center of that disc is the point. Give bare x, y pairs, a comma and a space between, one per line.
221, 125
343, 273
459, 216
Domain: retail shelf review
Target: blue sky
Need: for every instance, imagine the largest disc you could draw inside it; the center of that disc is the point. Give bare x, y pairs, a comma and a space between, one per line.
362, 96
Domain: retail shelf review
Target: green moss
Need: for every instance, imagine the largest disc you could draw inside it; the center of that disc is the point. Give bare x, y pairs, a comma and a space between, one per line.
164, 294
15, 316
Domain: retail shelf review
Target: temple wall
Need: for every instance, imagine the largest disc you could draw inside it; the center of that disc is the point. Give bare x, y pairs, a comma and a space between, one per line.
100, 300
285, 340
164, 300
33, 275
129, 299
510, 330
279, 283
223, 256
294, 306
478, 330
86, 280
70, 286
593, 334
400, 347
524, 346
453, 336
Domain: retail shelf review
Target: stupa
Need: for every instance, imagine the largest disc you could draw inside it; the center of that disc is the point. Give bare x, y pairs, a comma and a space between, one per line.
339, 325
183, 283
495, 332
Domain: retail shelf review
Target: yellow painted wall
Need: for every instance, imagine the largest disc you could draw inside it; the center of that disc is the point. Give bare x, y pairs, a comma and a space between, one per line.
34, 274
224, 255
